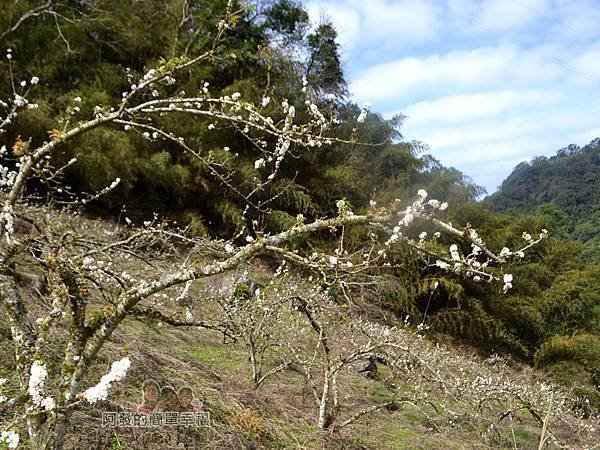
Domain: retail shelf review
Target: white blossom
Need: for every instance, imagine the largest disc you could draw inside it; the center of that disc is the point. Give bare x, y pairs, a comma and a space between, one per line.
454, 252
10, 438
259, 163
19, 101
115, 183
118, 370
363, 113
150, 74
37, 380
442, 264
505, 252
507, 279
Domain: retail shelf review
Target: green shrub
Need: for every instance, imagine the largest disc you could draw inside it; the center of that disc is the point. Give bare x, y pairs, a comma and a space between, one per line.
582, 349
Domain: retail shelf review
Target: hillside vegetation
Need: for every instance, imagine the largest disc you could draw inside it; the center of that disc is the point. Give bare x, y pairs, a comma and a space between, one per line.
565, 188
419, 395
189, 196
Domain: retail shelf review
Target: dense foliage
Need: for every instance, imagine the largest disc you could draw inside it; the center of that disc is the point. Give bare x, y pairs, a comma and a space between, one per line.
550, 317
90, 48
87, 49
557, 311
565, 188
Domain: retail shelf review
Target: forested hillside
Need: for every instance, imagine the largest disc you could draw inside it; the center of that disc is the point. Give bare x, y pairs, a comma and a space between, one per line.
565, 188
92, 55
189, 196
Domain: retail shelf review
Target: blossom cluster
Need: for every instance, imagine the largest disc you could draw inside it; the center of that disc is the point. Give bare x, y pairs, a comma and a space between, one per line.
10, 439
418, 208
19, 99
2, 397
37, 380
118, 371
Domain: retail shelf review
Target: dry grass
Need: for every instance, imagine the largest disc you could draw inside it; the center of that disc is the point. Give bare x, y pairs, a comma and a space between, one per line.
281, 414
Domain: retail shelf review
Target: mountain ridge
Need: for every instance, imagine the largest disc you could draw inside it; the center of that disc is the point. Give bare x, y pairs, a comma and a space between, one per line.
564, 187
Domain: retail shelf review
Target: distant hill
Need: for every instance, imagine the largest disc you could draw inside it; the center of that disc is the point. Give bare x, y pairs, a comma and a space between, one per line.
564, 187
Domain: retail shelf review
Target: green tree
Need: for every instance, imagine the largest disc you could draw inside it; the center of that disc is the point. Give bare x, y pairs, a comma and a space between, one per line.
324, 68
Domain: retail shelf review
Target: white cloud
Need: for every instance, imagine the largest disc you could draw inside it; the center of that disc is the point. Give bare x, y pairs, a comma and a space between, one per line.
587, 135
487, 150
502, 130
588, 65
463, 108
506, 15
387, 23
471, 69
577, 20
486, 83
490, 17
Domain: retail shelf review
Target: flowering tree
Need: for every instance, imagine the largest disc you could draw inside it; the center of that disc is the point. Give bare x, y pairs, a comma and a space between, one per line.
292, 323
88, 284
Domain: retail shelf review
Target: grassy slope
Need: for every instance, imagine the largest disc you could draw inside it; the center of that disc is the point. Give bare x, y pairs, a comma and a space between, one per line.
279, 415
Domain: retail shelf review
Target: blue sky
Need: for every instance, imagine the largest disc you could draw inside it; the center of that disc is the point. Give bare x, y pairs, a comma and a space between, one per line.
485, 83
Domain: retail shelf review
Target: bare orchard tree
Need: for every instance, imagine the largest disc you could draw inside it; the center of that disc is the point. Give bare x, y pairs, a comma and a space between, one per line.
89, 283
323, 340
340, 341
252, 314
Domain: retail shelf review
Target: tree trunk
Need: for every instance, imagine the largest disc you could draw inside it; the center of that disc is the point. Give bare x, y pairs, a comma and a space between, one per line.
49, 435
45, 432
41, 435
62, 422
324, 415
